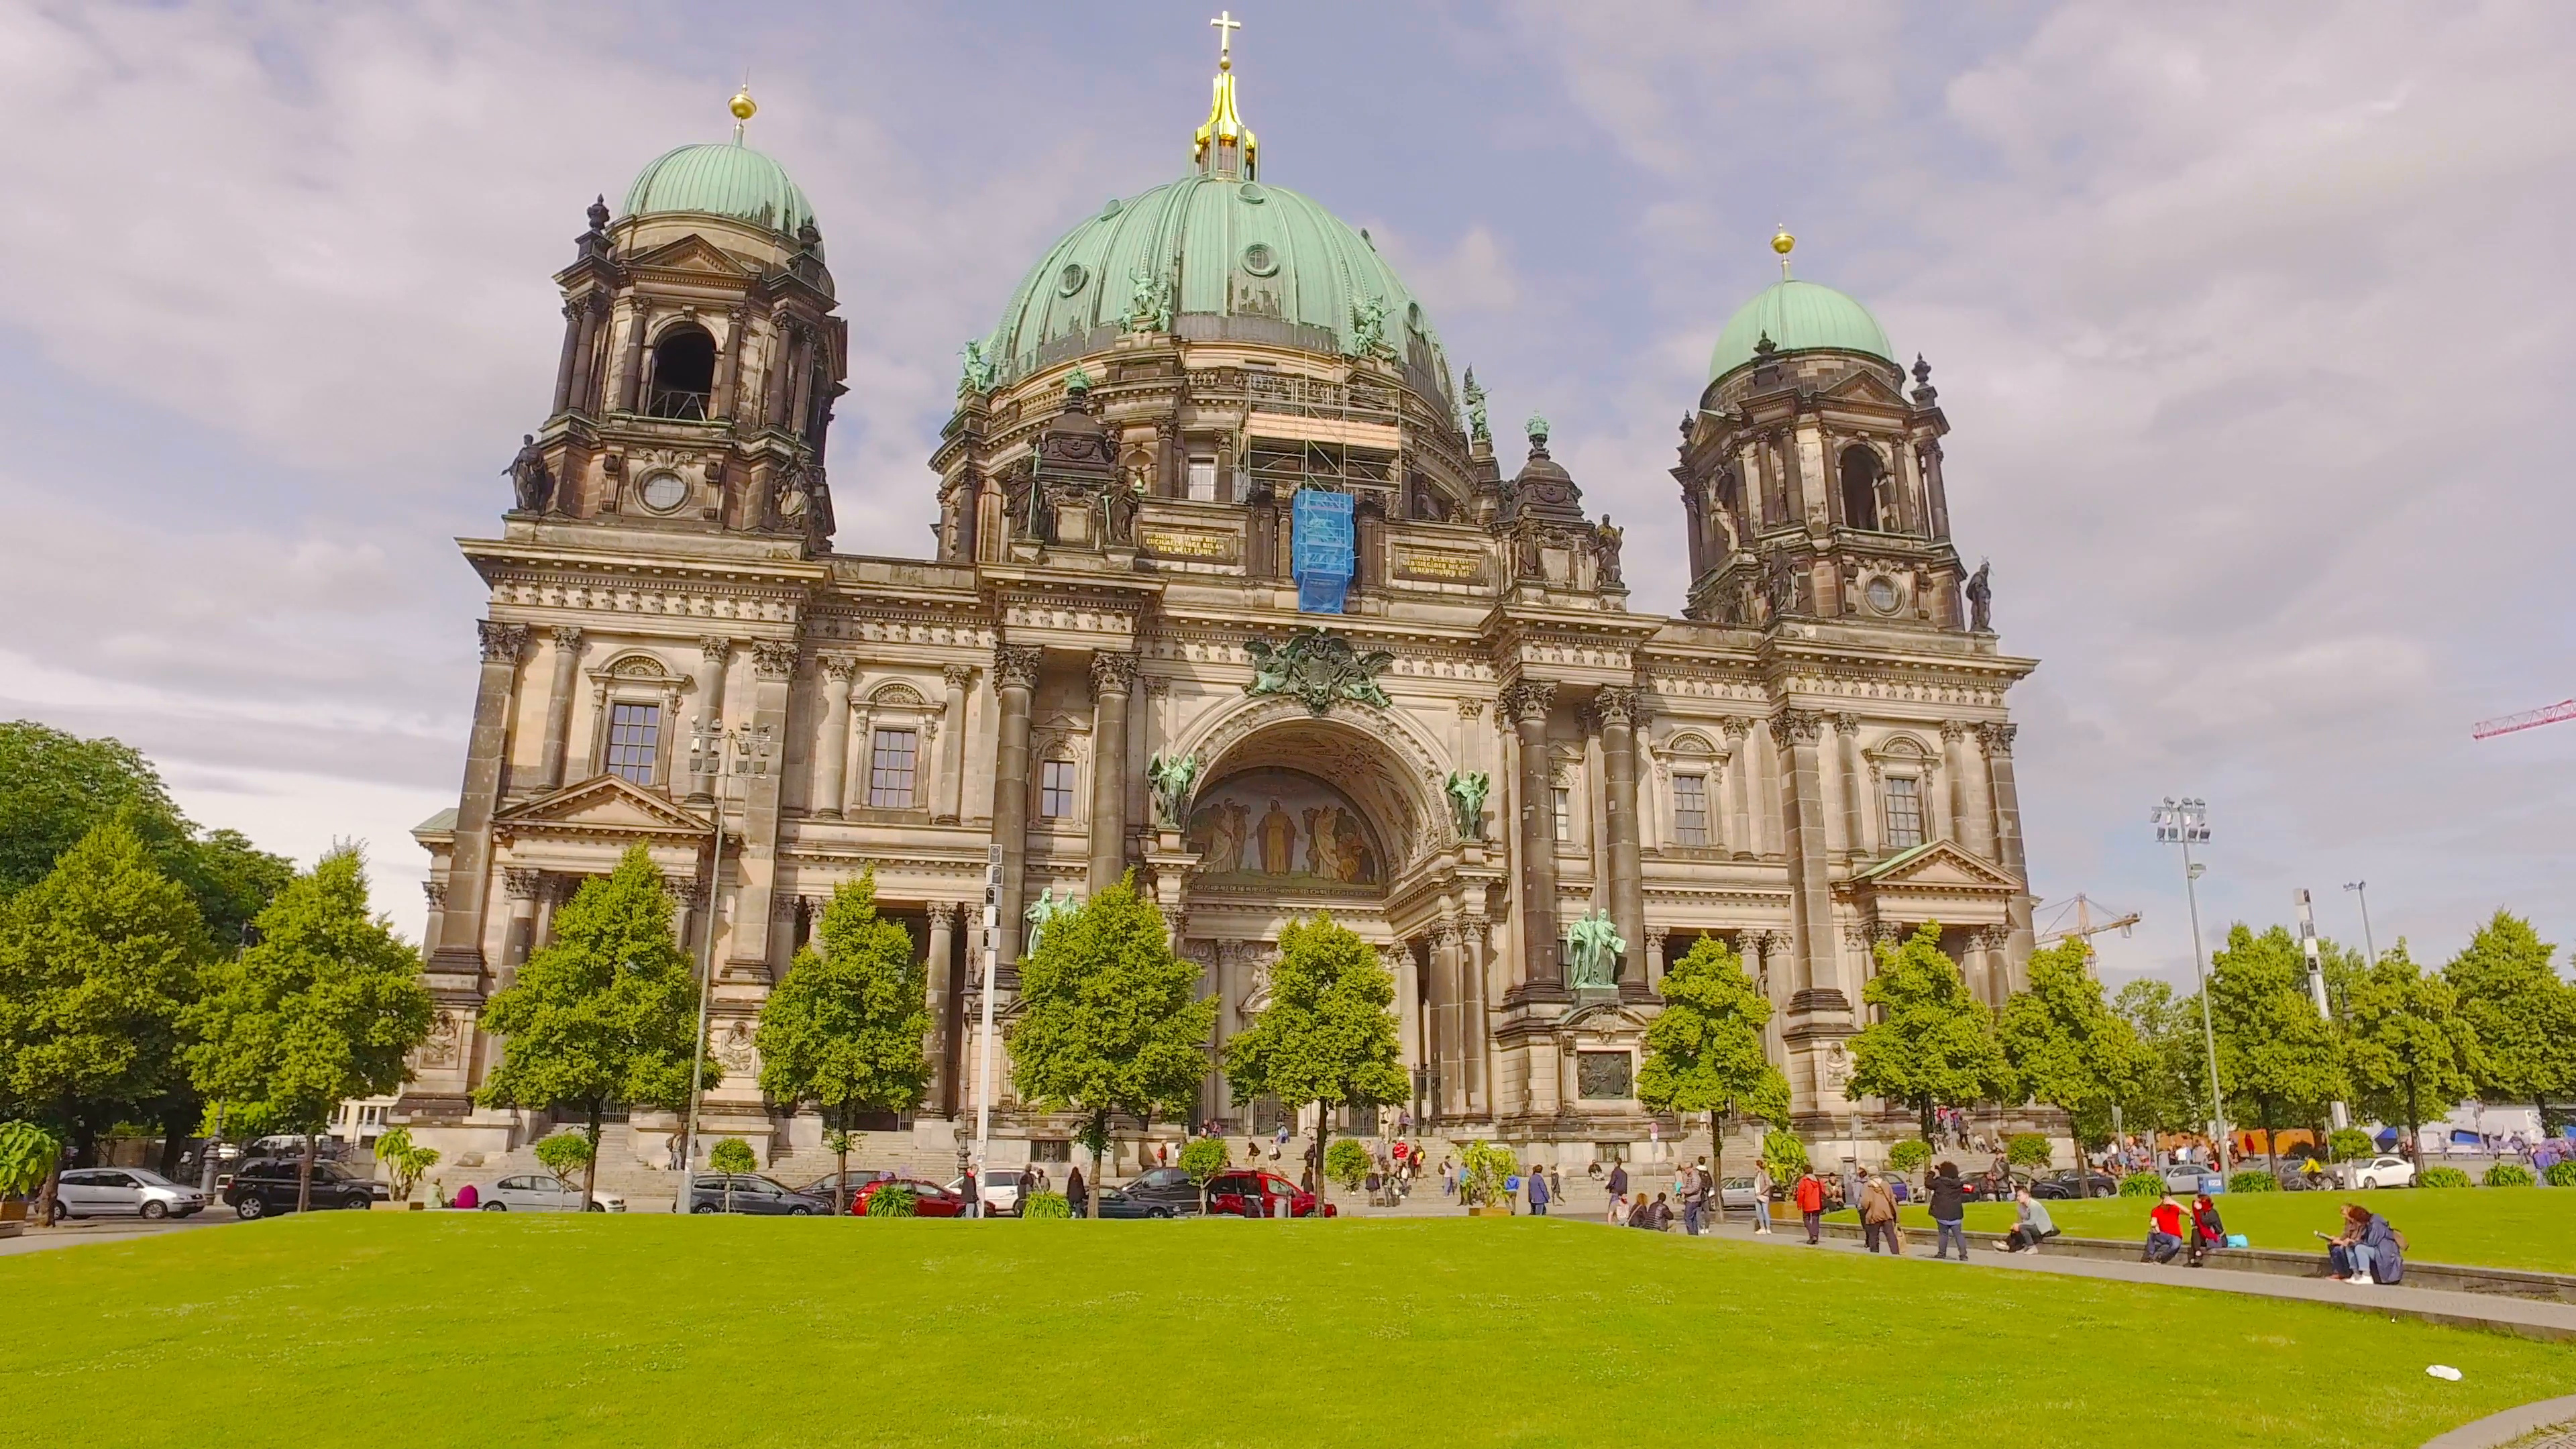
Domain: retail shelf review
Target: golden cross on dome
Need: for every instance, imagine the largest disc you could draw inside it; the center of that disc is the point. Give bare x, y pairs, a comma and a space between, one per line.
1226, 25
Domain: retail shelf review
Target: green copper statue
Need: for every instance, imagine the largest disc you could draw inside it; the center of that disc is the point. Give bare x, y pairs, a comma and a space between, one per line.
1467, 790
1045, 911
1174, 780
1477, 425
1592, 948
979, 372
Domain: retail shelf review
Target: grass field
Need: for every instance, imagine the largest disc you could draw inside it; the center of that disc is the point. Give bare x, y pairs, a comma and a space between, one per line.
2516, 1227
487, 1329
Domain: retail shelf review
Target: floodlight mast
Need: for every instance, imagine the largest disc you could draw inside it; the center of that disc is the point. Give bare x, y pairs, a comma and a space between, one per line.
2185, 822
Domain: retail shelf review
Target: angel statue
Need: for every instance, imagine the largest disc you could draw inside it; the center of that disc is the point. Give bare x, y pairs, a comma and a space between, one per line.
1477, 426
1174, 780
1592, 949
1045, 911
979, 371
1466, 790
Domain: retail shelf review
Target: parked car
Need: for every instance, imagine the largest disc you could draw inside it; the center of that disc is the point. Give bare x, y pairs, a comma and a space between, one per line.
2061, 1186
929, 1200
825, 1191
1160, 1192
99, 1192
752, 1194
267, 1185
2384, 1171
2183, 1179
1979, 1188
1735, 1196
542, 1192
1245, 1194
1001, 1191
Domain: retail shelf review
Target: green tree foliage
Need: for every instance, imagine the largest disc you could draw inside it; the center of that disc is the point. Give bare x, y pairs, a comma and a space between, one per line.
1786, 1154
1483, 1168
733, 1155
605, 1014
2349, 1144
2279, 1062
97, 962
2027, 1149
1203, 1158
2411, 1050
1909, 1155
2067, 1047
28, 1157
1934, 1044
2172, 1090
404, 1160
324, 1008
563, 1154
1328, 1034
1110, 1019
1704, 1051
2523, 1012
1347, 1163
844, 1028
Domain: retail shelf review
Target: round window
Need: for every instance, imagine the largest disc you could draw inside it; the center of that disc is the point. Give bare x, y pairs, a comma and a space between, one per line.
1260, 260
1070, 280
663, 492
1882, 594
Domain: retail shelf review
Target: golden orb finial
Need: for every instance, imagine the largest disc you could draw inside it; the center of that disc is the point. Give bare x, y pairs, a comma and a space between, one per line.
1783, 243
742, 105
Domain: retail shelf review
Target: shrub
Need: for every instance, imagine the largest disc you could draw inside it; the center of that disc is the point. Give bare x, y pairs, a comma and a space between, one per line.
893, 1200
2350, 1144
2509, 1174
1047, 1205
2027, 1149
733, 1155
404, 1161
1786, 1154
1909, 1155
2142, 1184
564, 1154
1346, 1162
2252, 1179
2442, 1177
2560, 1174
1482, 1169
27, 1157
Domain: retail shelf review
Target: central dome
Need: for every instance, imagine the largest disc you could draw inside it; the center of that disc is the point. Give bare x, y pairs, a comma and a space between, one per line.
1272, 262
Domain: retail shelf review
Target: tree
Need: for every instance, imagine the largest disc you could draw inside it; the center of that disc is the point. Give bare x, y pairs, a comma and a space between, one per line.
844, 1028
1203, 1158
1705, 1052
404, 1160
1327, 1036
2412, 1052
2276, 1055
2067, 1047
1110, 1022
2172, 1091
1933, 1043
324, 1008
605, 1014
733, 1157
97, 961
2523, 1012
28, 1156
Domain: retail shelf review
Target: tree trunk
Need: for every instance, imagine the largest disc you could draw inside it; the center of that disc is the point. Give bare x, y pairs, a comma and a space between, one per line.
1924, 1111
1099, 1142
304, 1177
841, 1163
590, 1169
1323, 1138
1717, 1162
2414, 1122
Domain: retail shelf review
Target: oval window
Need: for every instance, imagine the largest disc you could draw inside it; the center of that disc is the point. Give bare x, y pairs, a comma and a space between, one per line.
1260, 260
1070, 280
1882, 594
663, 492
1251, 191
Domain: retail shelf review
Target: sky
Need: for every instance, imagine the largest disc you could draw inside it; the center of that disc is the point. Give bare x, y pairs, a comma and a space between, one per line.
2253, 324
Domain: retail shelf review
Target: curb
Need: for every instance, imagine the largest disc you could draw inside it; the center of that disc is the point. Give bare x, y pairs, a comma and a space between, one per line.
2496, 1430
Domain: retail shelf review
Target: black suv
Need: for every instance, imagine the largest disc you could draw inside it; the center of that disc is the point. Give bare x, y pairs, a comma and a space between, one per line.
266, 1185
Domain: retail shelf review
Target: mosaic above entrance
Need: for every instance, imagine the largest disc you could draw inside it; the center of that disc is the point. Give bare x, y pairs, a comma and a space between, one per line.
1280, 828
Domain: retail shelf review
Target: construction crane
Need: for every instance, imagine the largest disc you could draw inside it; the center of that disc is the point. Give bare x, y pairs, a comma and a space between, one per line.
2487, 729
2083, 926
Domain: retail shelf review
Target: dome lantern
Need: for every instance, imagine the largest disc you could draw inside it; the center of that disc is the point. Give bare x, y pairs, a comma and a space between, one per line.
723, 178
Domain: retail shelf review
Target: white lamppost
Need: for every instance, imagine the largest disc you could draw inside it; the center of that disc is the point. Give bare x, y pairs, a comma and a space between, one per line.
2186, 823
740, 754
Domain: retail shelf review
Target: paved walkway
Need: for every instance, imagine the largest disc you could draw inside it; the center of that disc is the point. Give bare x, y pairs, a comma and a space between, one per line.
2522, 1316
109, 1230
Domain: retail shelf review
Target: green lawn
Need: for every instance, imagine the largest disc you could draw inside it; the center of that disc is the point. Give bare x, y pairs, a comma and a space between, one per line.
2500, 1227
484, 1329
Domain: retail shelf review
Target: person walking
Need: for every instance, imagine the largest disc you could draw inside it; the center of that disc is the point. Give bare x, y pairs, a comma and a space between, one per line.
2031, 1224
1878, 1214
1538, 1193
1810, 1197
1949, 1211
1074, 1192
2164, 1231
1618, 1183
1694, 1198
1448, 1178
1761, 1198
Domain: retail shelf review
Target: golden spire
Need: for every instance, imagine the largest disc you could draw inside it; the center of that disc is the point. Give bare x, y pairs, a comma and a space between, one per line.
1233, 146
1783, 243
743, 107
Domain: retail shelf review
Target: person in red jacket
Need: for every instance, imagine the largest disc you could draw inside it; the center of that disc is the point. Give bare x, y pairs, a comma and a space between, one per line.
2207, 1231
2164, 1231
1810, 1197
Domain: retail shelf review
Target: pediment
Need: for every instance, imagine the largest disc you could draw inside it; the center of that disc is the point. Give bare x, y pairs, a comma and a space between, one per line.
601, 805
1941, 865
691, 253
1865, 383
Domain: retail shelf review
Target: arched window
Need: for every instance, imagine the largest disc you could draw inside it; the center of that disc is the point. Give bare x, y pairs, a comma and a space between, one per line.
684, 373
1860, 487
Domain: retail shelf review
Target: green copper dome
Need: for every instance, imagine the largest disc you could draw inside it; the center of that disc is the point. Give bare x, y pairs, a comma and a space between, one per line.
1271, 263
1798, 317
726, 178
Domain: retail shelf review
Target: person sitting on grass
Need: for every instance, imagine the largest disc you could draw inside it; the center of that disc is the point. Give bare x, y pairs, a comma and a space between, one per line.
2207, 1232
2031, 1224
2164, 1231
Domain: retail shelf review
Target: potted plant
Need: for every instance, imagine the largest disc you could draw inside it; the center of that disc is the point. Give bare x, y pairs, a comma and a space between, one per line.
1484, 1169
28, 1156
404, 1162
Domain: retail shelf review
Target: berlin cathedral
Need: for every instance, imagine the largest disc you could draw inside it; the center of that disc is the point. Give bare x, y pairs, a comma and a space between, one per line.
1233, 588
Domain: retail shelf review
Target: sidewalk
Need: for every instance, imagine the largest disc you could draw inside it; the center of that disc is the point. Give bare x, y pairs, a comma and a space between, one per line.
2524, 1317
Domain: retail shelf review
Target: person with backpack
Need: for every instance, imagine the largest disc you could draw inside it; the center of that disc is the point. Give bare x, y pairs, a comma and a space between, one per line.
2207, 1232
1810, 1197
1878, 1215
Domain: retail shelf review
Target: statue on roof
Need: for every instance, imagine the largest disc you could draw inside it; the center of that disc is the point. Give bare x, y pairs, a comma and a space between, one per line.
1477, 426
979, 373
1981, 599
529, 477
1609, 536
1149, 302
1368, 327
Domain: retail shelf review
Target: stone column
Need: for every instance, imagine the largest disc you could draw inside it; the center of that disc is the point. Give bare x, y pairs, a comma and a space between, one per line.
688, 897
832, 751
778, 377
1656, 965
522, 887
942, 981
571, 350
1447, 1016
1113, 678
1406, 972
1015, 677
729, 366
1739, 789
749, 955
1969, 806
585, 382
1761, 948
550, 769
713, 652
436, 891
1855, 794
460, 942
1542, 973
952, 748
630, 377
1811, 898
1998, 740
1616, 708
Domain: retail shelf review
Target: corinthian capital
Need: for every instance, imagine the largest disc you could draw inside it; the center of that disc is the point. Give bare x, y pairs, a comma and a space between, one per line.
1794, 726
1016, 664
771, 659
1953, 731
1529, 698
959, 676
715, 650
838, 668
502, 643
1616, 704
1997, 738
1112, 673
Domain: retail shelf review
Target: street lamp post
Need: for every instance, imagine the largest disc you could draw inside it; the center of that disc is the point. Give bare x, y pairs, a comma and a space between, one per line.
2342, 1117
2361, 889
2186, 823
738, 754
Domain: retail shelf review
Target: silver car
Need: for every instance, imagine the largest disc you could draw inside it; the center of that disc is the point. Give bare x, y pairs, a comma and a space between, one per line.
2183, 1179
103, 1192
543, 1192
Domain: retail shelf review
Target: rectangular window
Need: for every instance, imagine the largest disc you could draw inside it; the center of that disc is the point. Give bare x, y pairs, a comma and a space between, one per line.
1055, 789
1904, 812
634, 734
1050, 1149
890, 769
1690, 809
1564, 816
1202, 478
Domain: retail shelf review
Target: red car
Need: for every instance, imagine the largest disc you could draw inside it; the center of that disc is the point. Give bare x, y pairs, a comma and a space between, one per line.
1260, 1195
928, 1199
